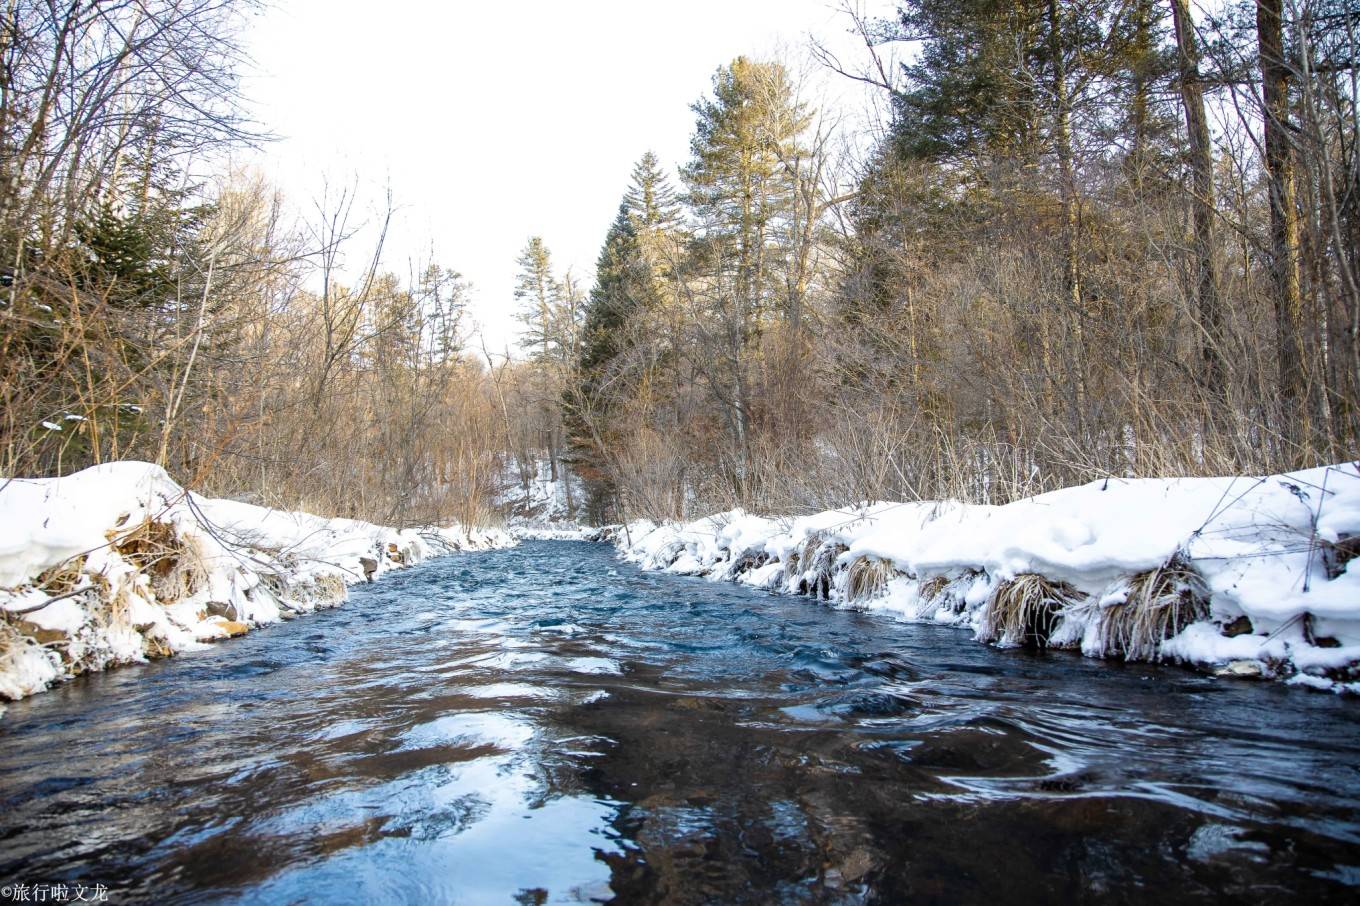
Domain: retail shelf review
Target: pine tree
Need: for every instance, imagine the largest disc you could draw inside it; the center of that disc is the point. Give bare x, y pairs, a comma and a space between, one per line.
651, 201
742, 191
738, 183
975, 89
536, 291
624, 286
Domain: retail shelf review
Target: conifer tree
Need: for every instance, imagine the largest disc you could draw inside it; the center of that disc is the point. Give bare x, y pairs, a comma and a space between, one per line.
742, 191
738, 183
624, 285
536, 291
651, 201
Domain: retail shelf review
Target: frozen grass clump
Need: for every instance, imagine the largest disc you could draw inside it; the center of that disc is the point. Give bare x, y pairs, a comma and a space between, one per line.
818, 579
1025, 610
1159, 604
867, 578
157, 550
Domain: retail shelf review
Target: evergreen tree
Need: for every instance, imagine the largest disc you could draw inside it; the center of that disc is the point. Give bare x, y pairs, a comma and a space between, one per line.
976, 87
624, 285
739, 184
138, 237
537, 291
742, 190
651, 201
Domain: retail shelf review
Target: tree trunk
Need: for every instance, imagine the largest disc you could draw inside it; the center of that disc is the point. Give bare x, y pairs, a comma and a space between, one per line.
1284, 223
1202, 188
1062, 138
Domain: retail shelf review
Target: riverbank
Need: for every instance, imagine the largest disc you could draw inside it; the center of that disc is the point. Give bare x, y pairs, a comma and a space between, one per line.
1247, 576
549, 719
118, 563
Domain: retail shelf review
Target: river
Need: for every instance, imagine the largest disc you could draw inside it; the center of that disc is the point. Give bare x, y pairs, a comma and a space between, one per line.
547, 724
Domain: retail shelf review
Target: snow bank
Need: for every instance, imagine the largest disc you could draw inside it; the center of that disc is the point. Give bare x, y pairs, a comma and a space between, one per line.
118, 563
550, 530
1248, 576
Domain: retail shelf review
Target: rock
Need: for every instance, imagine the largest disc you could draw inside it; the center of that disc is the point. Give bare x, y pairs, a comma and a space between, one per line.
1336, 555
221, 609
1241, 668
1312, 638
233, 628
155, 648
370, 567
1239, 626
38, 634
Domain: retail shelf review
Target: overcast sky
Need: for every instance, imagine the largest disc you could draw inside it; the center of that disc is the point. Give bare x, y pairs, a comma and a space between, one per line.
492, 122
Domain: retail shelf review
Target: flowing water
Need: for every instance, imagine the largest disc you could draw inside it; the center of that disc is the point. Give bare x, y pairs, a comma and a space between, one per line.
547, 724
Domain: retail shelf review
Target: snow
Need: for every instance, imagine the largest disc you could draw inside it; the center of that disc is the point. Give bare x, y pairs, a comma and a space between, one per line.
533, 530
544, 500
1257, 544
133, 565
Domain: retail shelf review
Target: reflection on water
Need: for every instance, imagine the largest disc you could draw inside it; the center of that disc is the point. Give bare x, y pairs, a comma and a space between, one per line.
546, 725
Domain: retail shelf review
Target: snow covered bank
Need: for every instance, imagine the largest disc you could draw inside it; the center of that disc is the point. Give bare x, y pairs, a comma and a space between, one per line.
1247, 576
118, 563
533, 530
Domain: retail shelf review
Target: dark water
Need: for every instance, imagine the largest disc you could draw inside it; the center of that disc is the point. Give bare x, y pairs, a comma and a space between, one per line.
548, 725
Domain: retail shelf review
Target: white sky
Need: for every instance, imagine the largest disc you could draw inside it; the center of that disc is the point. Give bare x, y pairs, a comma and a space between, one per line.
496, 121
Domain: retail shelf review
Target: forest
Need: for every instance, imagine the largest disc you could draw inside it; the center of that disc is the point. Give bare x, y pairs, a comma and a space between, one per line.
1092, 239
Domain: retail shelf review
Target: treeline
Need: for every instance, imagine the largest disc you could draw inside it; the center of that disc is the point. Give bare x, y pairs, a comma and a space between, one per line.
155, 305
1094, 239
1097, 238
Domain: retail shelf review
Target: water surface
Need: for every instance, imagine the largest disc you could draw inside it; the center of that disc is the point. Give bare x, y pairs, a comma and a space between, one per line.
547, 724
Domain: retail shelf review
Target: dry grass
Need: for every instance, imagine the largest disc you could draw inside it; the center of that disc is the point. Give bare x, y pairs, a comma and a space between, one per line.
321, 591
791, 568
946, 593
931, 589
810, 548
10, 639
1025, 610
62, 578
156, 549
1160, 603
800, 560
867, 578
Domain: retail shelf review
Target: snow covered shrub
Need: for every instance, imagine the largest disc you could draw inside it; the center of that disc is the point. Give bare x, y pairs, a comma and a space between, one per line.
1157, 605
1025, 610
867, 578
